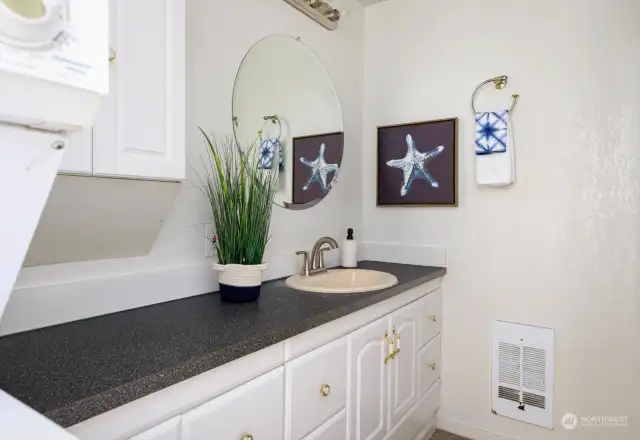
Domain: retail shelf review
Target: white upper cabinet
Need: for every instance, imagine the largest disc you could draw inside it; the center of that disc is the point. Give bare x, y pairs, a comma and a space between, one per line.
140, 130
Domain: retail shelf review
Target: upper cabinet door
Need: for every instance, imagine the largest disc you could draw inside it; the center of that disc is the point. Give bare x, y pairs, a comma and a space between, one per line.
140, 131
403, 372
368, 381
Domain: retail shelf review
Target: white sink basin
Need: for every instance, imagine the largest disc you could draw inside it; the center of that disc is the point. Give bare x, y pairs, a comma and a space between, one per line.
343, 281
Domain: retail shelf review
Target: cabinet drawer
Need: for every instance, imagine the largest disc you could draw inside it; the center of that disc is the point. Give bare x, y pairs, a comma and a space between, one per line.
334, 429
429, 365
430, 322
307, 406
169, 430
254, 409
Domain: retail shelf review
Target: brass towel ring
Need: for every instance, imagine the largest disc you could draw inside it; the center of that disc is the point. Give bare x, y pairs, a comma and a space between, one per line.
499, 82
274, 119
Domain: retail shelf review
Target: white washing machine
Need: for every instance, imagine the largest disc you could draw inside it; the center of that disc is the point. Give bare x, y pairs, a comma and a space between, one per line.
33, 23
54, 72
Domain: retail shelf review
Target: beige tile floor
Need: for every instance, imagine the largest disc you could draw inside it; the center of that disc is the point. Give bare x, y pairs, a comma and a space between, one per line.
442, 435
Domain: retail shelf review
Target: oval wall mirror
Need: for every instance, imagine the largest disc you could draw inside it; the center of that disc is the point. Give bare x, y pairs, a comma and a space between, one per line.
286, 110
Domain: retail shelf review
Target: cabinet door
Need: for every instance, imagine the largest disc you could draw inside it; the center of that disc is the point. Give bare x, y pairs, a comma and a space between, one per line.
403, 386
253, 410
169, 430
78, 153
368, 381
140, 130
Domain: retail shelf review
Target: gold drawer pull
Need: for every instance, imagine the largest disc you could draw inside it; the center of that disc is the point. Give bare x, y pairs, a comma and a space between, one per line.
325, 390
112, 58
247, 437
433, 366
434, 318
391, 354
397, 344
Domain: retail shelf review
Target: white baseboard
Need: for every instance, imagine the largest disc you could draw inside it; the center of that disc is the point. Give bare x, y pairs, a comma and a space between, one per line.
429, 430
468, 431
405, 253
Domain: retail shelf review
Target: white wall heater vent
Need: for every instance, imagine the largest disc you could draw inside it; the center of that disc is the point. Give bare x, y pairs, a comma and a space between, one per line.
523, 373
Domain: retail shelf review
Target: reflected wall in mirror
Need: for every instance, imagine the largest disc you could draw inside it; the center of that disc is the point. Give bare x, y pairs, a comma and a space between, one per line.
286, 106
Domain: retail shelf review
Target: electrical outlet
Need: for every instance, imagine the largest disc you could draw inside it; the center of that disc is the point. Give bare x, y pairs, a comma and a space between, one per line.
208, 243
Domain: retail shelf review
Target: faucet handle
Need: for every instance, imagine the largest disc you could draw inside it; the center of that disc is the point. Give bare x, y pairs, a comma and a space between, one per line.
321, 252
305, 263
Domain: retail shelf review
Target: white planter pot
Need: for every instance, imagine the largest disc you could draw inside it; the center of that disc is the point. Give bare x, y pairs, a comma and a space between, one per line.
239, 282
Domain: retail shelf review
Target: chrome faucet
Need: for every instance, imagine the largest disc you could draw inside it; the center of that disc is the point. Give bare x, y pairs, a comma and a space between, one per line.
315, 264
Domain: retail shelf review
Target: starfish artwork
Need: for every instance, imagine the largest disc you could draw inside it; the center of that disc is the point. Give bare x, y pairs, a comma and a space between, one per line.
413, 165
320, 170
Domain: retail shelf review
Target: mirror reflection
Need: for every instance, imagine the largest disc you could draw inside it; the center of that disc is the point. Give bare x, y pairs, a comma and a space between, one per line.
286, 106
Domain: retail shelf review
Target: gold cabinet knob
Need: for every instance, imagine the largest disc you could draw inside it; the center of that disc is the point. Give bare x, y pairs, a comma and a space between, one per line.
112, 55
433, 366
433, 318
325, 390
247, 437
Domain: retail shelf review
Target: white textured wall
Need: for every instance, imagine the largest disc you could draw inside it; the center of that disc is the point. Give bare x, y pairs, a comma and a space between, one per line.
219, 33
561, 248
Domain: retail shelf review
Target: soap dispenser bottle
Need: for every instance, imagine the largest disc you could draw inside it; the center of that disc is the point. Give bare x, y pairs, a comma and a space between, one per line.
349, 251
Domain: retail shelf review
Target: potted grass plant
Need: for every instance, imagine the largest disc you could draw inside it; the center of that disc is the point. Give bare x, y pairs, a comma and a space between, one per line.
240, 194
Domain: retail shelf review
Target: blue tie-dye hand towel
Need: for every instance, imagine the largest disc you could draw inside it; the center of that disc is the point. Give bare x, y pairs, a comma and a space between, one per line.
492, 132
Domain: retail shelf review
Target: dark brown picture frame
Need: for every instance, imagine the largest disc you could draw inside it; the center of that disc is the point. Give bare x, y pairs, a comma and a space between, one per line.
307, 146
392, 144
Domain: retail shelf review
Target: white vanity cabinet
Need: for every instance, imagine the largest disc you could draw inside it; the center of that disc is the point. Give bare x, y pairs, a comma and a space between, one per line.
254, 410
384, 393
334, 382
169, 430
140, 130
334, 429
316, 390
428, 365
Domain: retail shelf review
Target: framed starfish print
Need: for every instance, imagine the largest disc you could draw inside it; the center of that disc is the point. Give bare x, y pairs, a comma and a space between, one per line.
316, 165
418, 164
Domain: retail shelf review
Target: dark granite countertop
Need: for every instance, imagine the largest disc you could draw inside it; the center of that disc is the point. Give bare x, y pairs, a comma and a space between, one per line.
75, 371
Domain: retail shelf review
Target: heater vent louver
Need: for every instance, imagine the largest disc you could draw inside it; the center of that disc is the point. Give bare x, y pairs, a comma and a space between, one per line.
522, 373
